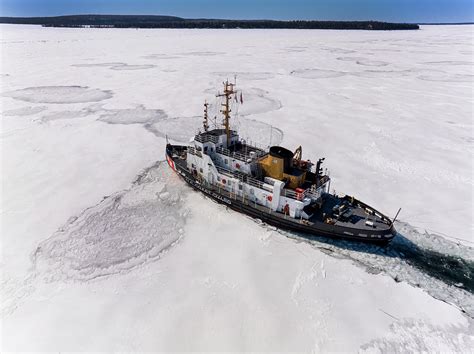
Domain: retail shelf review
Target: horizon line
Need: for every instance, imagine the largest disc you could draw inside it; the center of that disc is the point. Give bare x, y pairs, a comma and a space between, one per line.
240, 19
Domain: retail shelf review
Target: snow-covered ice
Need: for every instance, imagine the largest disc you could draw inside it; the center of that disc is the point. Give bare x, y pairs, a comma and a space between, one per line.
58, 94
103, 248
121, 232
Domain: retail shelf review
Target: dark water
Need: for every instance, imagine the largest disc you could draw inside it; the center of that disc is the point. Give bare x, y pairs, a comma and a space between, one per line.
450, 269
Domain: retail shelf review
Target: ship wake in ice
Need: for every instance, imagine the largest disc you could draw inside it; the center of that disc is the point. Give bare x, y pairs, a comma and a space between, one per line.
443, 268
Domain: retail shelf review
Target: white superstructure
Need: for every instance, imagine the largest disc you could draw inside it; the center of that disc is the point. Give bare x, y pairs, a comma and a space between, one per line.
235, 167
276, 179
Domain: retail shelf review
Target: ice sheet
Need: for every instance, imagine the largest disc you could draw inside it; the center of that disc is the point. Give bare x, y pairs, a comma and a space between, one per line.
82, 244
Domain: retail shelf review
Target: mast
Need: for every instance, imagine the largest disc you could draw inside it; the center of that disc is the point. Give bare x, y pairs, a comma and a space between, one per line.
228, 92
205, 122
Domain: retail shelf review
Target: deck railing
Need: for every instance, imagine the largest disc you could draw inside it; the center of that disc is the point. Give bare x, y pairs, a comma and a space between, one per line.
313, 193
243, 177
205, 138
226, 172
238, 155
255, 182
215, 187
193, 151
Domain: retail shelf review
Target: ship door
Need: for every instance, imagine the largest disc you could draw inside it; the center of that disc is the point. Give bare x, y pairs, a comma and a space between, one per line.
210, 178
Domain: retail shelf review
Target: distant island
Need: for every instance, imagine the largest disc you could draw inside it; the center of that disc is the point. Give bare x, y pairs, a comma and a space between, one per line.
149, 21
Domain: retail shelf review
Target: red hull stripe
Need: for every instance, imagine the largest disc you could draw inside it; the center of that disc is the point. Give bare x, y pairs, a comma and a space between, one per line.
170, 162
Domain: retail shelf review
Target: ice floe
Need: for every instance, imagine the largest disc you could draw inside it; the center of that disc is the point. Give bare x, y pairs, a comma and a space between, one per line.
25, 111
316, 73
59, 94
138, 115
122, 232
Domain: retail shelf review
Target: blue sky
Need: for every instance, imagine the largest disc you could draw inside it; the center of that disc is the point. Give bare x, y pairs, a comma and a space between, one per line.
385, 10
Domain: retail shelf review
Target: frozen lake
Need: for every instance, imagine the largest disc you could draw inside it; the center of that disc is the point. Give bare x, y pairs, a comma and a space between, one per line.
104, 249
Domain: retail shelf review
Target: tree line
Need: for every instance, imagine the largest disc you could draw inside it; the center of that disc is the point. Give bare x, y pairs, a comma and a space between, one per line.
146, 21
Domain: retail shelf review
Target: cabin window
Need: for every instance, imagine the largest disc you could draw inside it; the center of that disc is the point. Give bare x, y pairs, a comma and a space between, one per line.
251, 191
200, 170
218, 178
205, 148
226, 161
240, 187
193, 165
212, 149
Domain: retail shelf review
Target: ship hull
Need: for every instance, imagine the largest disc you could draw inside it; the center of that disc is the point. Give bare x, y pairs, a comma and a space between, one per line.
381, 237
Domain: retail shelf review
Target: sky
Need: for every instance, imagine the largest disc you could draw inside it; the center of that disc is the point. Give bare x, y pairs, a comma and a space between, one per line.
383, 10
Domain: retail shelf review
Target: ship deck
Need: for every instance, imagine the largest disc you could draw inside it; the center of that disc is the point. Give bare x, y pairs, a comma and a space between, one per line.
353, 216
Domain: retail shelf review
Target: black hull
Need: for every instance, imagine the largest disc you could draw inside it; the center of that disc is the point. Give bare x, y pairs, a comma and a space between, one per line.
380, 237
